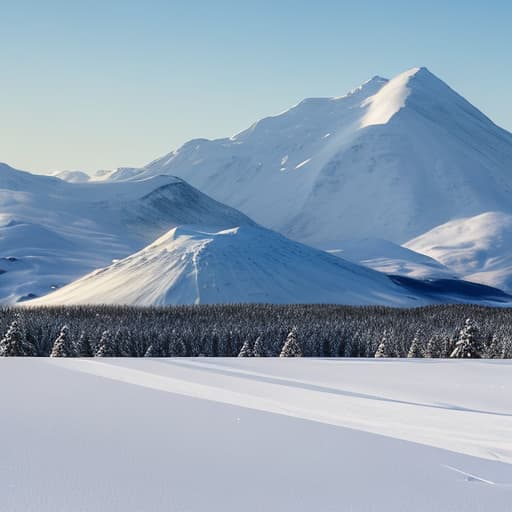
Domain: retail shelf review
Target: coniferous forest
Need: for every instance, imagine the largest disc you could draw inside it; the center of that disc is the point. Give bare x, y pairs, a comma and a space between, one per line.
256, 330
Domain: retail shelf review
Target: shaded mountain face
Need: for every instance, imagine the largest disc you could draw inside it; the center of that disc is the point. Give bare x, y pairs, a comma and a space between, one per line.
52, 232
392, 159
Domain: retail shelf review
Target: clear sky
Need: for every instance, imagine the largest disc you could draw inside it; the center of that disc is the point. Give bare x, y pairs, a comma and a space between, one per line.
102, 84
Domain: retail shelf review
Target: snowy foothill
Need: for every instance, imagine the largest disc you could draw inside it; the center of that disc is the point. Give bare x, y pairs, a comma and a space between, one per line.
255, 434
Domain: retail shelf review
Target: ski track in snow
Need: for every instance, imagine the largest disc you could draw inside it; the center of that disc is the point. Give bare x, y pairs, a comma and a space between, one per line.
472, 432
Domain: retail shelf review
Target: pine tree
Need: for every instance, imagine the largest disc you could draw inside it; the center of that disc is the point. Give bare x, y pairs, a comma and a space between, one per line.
14, 343
414, 349
83, 347
245, 351
469, 344
106, 346
257, 349
291, 347
63, 346
383, 348
430, 349
150, 352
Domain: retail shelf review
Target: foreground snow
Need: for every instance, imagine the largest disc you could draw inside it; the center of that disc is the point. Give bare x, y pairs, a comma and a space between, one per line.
255, 434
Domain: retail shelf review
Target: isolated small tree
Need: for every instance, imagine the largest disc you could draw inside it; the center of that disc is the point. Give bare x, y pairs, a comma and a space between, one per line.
246, 350
106, 346
83, 347
63, 346
468, 344
414, 349
150, 351
257, 349
291, 347
383, 348
14, 344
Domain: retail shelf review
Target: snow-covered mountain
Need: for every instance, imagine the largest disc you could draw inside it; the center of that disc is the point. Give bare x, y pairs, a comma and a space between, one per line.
251, 264
52, 232
391, 159
477, 248
239, 265
72, 176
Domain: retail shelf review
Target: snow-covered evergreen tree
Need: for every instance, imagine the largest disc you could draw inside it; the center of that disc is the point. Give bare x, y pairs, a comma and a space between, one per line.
14, 343
468, 344
246, 350
257, 349
106, 346
414, 349
291, 347
83, 347
383, 348
63, 345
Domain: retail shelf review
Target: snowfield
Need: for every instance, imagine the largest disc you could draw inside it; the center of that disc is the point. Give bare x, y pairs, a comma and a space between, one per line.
255, 435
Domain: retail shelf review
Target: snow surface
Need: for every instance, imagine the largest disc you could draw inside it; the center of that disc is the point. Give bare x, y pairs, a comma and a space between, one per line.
255, 435
402, 157
477, 248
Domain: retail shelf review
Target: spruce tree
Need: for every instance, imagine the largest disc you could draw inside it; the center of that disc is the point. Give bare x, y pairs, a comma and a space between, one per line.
83, 347
63, 346
383, 348
245, 351
291, 347
469, 344
14, 343
414, 349
257, 349
106, 346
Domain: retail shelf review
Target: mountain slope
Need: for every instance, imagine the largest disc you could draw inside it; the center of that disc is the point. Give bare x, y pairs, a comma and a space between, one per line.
247, 264
478, 248
369, 164
250, 264
52, 232
389, 258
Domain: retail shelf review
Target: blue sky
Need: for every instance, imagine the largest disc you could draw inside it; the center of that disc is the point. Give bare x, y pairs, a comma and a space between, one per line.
101, 84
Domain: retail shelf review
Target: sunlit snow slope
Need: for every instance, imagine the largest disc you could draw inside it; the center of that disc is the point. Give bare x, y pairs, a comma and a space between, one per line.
255, 434
392, 159
240, 265
478, 248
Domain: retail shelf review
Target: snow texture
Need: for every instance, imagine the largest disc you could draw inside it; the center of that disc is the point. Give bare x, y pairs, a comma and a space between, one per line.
255, 434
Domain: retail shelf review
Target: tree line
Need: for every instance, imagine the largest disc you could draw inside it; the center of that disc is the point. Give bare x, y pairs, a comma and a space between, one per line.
256, 330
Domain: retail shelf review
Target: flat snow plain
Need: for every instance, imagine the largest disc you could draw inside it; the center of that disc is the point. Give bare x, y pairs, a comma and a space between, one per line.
190, 435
